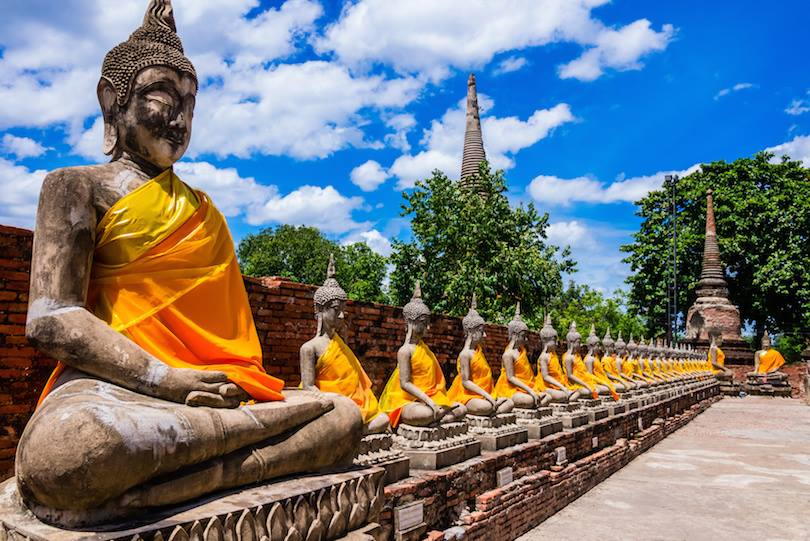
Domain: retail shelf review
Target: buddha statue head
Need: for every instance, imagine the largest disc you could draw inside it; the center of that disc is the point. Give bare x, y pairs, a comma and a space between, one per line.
573, 338
632, 347
548, 335
147, 92
518, 330
473, 325
715, 336
592, 342
766, 340
621, 346
330, 302
417, 315
607, 343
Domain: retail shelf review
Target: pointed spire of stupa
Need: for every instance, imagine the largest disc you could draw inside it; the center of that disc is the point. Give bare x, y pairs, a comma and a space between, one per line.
473, 142
712, 273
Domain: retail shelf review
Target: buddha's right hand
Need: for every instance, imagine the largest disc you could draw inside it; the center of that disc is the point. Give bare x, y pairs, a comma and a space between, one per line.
438, 411
203, 388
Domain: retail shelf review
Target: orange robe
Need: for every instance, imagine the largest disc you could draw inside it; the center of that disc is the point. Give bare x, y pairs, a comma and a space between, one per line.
721, 360
523, 372
770, 361
601, 376
426, 374
480, 374
556, 371
339, 371
165, 275
580, 370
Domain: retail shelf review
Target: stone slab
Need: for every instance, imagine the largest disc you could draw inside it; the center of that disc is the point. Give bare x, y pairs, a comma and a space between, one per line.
543, 427
328, 506
503, 438
433, 459
573, 420
597, 414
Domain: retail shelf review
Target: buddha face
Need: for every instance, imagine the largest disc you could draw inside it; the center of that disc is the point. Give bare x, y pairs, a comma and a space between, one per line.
155, 123
550, 343
477, 335
332, 316
419, 326
766, 342
520, 338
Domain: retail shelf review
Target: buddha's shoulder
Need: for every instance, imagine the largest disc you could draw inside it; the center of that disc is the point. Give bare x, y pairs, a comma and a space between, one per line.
84, 174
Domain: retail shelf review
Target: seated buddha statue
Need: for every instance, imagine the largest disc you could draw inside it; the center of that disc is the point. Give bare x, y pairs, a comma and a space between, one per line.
716, 358
517, 380
329, 365
645, 353
578, 375
609, 362
767, 360
416, 392
594, 365
551, 377
473, 385
630, 366
136, 292
617, 351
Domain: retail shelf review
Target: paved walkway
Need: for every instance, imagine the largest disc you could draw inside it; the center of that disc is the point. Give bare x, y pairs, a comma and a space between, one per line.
739, 471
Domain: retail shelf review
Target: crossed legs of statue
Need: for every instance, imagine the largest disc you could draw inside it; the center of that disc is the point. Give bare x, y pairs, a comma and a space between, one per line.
94, 445
479, 406
418, 414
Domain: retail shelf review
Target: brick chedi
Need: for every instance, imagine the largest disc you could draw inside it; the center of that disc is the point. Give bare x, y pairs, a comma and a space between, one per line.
712, 311
473, 141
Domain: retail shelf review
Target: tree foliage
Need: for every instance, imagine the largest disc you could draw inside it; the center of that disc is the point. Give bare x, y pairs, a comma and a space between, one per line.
762, 211
465, 241
301, 254
588, 306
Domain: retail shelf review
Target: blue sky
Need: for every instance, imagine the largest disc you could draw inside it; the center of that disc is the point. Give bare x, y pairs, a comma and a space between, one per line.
321, 113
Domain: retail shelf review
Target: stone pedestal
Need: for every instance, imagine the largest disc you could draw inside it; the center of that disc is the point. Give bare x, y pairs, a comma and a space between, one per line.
378, 450
538, 422
431, 448
325, 507
727, 385
497, 432
571, 414
773, 384
594, 408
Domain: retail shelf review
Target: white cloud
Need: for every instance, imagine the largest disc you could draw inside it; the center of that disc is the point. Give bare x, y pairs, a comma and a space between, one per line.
797, 148
368, 176
735, 88
569, 233
21, 147
373, 238
798, 107
552, 190
20, 194
402, 124
87, 143
620, 49
431, 38
231, 193
508, 65
503, 138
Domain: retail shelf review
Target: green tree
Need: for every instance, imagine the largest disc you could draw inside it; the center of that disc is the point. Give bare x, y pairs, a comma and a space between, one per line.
588, 306
762, 211
301, 254
465, 242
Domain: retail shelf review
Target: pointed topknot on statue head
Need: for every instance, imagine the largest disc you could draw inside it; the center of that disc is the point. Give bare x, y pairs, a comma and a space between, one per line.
620, 344
573, 335
416, 307
517, 324
330, 290
607, 340
473, 319
592, 341
548, 332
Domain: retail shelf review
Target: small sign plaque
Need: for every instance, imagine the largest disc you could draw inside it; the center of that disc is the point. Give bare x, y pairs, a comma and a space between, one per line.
560, 452
409, 516
595, 442
640, 424
504, 476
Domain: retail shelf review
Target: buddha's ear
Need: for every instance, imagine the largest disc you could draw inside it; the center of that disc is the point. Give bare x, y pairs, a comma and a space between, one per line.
107, 99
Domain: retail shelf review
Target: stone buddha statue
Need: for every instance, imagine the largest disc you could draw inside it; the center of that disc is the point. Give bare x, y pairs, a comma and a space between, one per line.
143, 409
593, 363
631, 368
767, 360
616, 356
716, 357
473, 385
578, 375
551, 377
517, 380
329, 365
416, 393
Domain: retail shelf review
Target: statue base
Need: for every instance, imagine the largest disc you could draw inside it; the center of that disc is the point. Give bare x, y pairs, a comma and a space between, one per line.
616, 407
594, 408
773, 384
329, 506
538, 422
571, 414
431, 448
497, 432
378, 450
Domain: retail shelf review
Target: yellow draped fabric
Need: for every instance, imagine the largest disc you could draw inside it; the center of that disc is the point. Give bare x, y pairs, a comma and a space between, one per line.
426, 374
165, 275
720, 360
638, 370
523, 372
628, 368
339, 371
601, 376
480, 374
770, 361
555, 370
579, 370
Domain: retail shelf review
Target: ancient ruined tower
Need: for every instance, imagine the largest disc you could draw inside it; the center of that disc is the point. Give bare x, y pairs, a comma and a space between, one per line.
473, 142
713, 312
